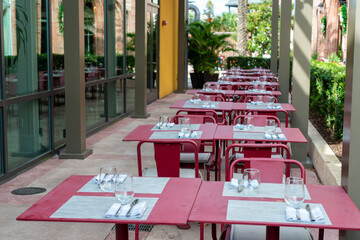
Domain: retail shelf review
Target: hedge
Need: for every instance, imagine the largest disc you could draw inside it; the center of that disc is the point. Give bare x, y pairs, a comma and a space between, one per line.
327, 92
327, 88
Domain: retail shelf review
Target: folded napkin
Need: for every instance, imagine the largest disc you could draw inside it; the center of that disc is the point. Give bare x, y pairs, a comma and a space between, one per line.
196, 100
209, 106
187, 135
107, 177
277, 106
136, 212
234, 183
305, 215
256, 103
166, 125
275, 136
239, 126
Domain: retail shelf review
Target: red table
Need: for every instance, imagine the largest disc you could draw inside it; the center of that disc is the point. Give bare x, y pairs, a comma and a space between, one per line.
172, 208
143, 132
211, 207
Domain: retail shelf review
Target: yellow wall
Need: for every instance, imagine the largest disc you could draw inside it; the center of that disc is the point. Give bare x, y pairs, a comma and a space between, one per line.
168, 47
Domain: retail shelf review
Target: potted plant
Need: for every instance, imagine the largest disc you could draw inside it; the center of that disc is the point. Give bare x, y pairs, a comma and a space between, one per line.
204, 47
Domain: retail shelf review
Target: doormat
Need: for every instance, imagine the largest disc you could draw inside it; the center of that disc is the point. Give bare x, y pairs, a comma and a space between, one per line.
28, 191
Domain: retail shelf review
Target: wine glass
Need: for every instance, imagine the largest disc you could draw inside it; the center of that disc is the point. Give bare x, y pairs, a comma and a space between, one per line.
294, 193
249, 123
251, 181
107, 177
124, 188
270, 126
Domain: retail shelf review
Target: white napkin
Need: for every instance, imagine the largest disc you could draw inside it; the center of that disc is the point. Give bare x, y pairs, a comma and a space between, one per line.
137, 211
195, 100
209, 106
274, 136
187, 135
305, 215
158, 125
274, 106
239, 126
234, 183
108, 177
281, 136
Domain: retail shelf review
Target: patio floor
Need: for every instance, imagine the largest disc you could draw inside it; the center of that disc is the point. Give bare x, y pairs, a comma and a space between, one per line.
107, 146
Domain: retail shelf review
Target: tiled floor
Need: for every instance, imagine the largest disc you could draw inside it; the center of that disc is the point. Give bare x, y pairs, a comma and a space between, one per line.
107, 146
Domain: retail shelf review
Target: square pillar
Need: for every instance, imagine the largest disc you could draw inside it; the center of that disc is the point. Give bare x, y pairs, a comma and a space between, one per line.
274, 36
181, 78
74, 81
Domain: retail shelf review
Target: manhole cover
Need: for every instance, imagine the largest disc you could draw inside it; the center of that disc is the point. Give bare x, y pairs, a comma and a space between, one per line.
28, 191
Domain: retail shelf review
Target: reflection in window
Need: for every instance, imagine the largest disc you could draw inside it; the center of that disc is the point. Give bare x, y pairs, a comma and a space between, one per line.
59, 119
27, 131
130, 94
130, 36
25, 49
95, 109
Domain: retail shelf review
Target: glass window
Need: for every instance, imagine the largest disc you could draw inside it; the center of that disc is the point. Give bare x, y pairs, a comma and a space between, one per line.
59, 119
130, 36
58, 44
27, 131
25, 47
116, 98
95, 109
130, 94
94, 39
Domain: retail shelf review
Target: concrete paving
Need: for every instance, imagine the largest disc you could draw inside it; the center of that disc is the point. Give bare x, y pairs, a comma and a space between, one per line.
108, 147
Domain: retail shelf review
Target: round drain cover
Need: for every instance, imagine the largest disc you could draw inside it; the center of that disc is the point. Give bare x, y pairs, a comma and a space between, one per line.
28, 191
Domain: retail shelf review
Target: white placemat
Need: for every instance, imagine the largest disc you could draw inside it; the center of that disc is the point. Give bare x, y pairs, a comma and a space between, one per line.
188, 104
95, 207
267, 190
250, 106
249, 135
171, 135
176, 127
256, 129
145, 185
259, 211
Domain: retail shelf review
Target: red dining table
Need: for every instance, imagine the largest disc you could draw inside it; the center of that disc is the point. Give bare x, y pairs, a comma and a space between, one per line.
211, 207
227, 133
172, 207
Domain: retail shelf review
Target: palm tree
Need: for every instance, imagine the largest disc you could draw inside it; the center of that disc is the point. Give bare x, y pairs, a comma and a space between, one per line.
241, 27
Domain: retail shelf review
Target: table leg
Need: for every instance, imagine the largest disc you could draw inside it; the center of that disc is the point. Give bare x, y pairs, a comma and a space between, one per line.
272, 233
213, 231
217, 161
122, 232
201, 231
321, 234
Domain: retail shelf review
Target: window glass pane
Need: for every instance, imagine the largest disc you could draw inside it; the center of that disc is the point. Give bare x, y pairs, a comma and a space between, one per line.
59, 119
130, 94
130, 36
116, 98
58, 43
27, 131
95, 114
94, 39
25, 48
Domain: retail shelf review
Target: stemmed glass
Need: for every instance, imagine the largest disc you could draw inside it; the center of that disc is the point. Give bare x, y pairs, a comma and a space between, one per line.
107, 177
294, 194
270, 126
124, 189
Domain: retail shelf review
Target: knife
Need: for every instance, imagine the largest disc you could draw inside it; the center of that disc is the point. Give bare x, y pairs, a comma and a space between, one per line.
131, 207
308, 208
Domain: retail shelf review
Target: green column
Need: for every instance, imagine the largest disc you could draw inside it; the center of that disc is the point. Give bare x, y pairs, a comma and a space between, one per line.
284, 63
301, 73
274, 36
140, 60
74, 81
350, 177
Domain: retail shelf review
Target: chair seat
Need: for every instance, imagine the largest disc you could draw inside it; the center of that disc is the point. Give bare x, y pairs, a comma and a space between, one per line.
241, 155
190, 157
253, 232
184, 173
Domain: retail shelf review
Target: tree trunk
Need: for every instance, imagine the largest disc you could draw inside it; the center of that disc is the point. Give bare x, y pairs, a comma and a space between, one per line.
241, 28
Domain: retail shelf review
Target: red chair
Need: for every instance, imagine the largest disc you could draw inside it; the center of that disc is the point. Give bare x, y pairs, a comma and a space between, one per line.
214, 96
259, 120
206, 158
167, 158
271, 171
250, 150
270, 113
250, 98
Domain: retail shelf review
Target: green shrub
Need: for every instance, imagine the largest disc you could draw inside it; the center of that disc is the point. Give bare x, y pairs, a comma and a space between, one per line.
247, 62
327, 91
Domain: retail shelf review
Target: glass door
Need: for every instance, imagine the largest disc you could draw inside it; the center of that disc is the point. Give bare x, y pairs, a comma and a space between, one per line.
152, 53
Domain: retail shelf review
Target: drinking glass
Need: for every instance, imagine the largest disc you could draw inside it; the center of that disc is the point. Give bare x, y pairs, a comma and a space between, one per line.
217, 87
249, 123
259, 99
184, 125
124, 188
271, 101
270, 126
207, 101
107, 177
163, 121
294, 191
251, 181
197, 98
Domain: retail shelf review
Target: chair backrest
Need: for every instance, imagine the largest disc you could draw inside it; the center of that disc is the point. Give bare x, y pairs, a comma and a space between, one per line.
259, 120
208, 112
167, 156
214, 96
194, 119
271, 169
256, 150
270, 113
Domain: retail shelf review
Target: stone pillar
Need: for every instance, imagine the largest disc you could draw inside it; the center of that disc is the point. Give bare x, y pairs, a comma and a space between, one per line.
350, 176
284, 63
74, 81
181, 49
274, 36
301, 73
140, 60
